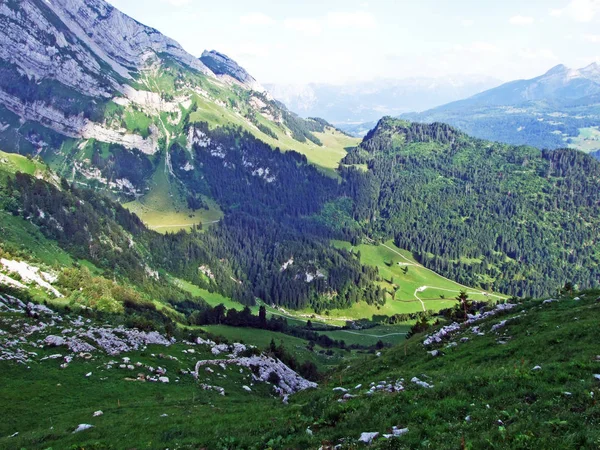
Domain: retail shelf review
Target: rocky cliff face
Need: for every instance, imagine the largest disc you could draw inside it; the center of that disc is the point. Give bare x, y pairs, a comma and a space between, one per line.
83, 85
62, 62
87, 45
226, 67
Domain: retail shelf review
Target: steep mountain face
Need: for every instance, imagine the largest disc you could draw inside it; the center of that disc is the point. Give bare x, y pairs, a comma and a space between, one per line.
356, 103
554, 110
224, 66
113, 105
89, 46
102, 97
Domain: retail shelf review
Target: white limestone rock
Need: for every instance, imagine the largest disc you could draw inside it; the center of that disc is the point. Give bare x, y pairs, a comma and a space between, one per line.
367, 437
83, 427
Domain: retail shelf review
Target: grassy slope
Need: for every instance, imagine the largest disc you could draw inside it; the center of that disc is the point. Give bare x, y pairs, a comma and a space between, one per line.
480, 379
19, 235
12, 162
587, 141
389, 334
416, 277
163, 208
295, 346
485, 380
133, 411
17, 231
326, 157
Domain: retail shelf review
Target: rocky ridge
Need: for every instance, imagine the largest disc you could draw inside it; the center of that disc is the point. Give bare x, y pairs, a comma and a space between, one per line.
29, 329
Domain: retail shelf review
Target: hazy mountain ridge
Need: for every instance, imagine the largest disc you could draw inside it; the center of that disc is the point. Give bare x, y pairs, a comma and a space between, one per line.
359, 102
547, 111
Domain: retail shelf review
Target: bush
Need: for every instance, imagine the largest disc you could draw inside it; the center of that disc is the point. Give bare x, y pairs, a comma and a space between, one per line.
274, 378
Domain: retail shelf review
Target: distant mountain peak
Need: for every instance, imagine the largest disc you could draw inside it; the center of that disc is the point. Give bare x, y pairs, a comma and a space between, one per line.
223, 65
591, 72
558, 69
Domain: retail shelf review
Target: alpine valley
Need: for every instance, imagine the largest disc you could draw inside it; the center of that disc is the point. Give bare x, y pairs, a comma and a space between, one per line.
187, 263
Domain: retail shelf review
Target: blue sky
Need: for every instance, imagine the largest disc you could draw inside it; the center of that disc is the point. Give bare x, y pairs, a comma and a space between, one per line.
338, 41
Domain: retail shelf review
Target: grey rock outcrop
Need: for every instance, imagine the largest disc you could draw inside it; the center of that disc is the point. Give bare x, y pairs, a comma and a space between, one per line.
224, 66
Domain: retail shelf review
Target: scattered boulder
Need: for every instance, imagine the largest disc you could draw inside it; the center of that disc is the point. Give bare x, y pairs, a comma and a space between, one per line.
163, 379
367, 438
83, 427
98, 414
423, 384
396, 432
54, 341
499, 325
537, 368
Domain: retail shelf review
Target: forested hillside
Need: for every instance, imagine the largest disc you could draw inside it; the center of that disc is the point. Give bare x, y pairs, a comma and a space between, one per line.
266, 247
515, 219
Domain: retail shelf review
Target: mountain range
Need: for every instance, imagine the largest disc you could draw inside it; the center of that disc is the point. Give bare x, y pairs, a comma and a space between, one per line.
185, 142
187, 263
77, 76
557, 109
359, 102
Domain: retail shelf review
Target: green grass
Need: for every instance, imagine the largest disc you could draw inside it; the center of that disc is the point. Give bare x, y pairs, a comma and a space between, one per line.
386, 258
22, 237
138, 122
12, 162
295, 346
588, 139
388, 334
212, 298
326, 157
173, 220
132, 410
508, 405
482, 379
163, 209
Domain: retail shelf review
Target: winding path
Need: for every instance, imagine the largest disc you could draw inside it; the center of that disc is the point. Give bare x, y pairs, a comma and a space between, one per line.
374, 335
423, 288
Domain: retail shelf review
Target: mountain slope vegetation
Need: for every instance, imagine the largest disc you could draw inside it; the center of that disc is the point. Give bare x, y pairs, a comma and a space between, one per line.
515, 219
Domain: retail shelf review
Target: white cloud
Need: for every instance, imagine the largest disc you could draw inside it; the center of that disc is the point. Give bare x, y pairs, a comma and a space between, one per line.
593, 38
467, 22
308, 26
482, 47
579, 10
521, 20
543, 54
256, 18
177, 2
313, 26
358, 19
